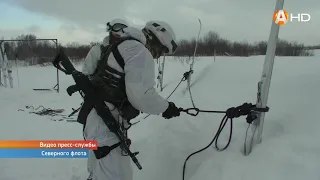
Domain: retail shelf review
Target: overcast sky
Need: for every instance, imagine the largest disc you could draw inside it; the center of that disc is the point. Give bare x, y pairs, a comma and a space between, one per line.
84, 21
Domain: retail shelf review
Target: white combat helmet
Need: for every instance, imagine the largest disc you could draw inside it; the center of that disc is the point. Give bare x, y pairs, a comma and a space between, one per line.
116, 25
164, 34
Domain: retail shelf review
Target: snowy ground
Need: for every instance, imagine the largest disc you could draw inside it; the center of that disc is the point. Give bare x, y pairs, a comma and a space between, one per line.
290, 147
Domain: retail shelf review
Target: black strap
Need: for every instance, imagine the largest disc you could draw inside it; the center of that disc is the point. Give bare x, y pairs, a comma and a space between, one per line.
113, 48
104, 50
103, 151
118, 57
113, 71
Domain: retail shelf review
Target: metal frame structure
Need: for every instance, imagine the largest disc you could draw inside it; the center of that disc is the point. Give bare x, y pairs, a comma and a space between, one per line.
55, 41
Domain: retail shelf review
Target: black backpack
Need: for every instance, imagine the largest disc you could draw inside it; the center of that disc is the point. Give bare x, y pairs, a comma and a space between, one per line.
110, 84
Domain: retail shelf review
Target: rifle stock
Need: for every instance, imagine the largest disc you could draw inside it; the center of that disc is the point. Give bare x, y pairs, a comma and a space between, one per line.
62, 62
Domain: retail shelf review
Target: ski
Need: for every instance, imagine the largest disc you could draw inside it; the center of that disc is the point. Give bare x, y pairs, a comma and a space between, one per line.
9, 70
255, 137
193, 59
6, 67
159, 72
3, 64
161, 75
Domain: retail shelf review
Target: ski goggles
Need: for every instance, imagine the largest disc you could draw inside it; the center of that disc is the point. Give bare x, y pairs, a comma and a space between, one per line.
116, 27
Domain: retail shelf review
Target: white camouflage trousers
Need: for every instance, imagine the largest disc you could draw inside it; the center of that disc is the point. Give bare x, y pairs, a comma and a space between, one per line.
114, 166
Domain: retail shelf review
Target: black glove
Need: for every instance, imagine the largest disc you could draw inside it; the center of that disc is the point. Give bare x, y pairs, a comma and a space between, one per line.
172, 111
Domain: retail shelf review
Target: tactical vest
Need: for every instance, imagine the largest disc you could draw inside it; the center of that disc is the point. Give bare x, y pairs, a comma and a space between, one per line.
110, 84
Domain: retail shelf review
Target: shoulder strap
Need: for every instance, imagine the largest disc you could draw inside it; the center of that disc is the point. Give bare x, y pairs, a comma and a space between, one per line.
118, 57
113, 48
116, 52
104, 50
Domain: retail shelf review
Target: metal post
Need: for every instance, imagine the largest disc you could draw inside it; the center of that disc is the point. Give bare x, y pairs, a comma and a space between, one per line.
58, 81
57, 86
264, 84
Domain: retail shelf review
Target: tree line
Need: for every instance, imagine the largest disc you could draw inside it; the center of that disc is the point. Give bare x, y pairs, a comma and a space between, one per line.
34, 51
212, 44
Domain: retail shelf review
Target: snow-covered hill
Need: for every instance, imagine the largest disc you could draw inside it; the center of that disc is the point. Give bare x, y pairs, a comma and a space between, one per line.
290, 147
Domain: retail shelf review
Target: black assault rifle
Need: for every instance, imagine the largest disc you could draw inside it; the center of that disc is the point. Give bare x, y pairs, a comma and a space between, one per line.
84, 86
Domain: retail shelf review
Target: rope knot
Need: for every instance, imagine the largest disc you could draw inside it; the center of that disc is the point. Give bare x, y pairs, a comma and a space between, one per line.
233, 112
246, 108
187, 74
242, 110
